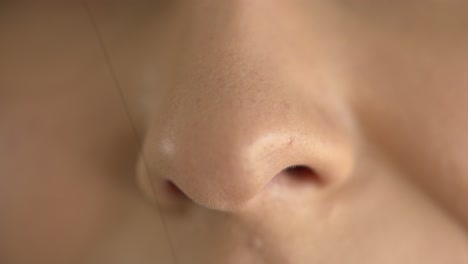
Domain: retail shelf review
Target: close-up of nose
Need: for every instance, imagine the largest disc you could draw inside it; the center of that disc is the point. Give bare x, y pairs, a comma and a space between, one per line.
235, 126
233, 131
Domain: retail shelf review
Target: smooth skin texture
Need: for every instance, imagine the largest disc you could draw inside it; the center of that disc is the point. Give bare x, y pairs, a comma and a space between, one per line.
183, 157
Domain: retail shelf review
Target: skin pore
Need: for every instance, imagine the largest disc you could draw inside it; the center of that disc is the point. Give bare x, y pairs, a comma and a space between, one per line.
234, 132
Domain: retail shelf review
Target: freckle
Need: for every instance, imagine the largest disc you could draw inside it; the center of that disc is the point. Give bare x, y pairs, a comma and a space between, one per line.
167, 147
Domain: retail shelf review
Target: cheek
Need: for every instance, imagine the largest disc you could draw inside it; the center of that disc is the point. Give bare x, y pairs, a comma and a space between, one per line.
57, 194
412, 104
40, 214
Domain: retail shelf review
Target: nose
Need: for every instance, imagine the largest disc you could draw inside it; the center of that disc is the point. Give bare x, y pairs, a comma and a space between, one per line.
236, 120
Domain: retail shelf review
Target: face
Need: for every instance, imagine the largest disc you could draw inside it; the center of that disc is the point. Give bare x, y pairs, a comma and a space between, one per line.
239, 132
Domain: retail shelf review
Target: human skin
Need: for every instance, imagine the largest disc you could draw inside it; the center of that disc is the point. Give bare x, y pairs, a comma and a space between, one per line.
105, 107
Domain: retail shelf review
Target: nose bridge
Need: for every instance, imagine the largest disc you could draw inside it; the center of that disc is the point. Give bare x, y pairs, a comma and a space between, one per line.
232, 33
226, 84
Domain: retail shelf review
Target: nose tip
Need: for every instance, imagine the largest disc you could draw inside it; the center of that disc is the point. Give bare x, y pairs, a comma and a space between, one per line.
231, 175
227, 173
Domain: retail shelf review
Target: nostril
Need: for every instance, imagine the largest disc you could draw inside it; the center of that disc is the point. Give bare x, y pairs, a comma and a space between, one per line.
172, 189
301, 174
